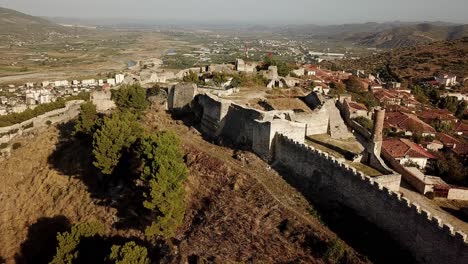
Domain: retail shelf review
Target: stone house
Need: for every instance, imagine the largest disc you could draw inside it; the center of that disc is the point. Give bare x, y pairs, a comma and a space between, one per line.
406, 152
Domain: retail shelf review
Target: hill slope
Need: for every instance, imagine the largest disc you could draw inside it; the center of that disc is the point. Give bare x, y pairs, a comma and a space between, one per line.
413, 35
418, 61
380, 35
16, 26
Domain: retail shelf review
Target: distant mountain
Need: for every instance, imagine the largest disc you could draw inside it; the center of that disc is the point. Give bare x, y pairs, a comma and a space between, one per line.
16, 26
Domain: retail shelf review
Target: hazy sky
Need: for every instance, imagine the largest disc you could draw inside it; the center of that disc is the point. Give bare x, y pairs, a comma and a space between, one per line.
251, 11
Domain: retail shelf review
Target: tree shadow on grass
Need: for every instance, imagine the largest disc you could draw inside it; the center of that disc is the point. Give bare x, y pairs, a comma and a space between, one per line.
41, 243
73, 157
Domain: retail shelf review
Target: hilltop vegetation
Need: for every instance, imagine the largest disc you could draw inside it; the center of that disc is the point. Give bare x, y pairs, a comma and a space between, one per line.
410, 63
168, 197
17, 26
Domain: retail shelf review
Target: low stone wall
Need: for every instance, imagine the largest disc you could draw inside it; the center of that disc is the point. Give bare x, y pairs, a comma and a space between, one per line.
458, 194
412, 179
70, 111
325, 178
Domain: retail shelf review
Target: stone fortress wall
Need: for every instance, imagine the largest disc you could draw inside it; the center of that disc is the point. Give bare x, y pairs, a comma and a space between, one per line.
425, 236
70, 111
274, 137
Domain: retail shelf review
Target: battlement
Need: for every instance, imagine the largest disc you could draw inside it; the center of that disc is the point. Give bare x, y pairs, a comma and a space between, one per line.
302, 159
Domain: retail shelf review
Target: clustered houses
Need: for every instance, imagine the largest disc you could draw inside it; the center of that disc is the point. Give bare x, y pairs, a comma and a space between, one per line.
29, 95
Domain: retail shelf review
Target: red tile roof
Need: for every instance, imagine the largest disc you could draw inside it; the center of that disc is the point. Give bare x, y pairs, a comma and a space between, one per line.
407, 122
357, 106
461, 149
447, 140
401, 148
435, 114
461, 127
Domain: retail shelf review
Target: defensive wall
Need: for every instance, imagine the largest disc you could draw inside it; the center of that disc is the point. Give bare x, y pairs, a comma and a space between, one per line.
325, 178
70, 111
274, 137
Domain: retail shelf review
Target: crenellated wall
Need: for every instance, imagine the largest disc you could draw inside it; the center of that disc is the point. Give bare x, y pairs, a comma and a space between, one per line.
325, 178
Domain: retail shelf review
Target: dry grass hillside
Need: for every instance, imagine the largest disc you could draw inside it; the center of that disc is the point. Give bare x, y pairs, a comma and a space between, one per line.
417, 62
238, 209
17, 26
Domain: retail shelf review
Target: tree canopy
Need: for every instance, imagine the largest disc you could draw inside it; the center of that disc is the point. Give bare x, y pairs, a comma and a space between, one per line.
131, 98
130, 253
117, 132
68, 242
164, 172
86, 120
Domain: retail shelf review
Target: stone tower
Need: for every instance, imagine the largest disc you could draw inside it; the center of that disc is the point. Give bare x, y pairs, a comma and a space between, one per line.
377, 132
374, 146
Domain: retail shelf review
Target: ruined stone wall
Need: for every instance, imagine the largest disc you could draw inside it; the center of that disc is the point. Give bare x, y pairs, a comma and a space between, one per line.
103, 100
265, 132
317, 122
70, 111
214, 113
240, 124
323, 177
181, 95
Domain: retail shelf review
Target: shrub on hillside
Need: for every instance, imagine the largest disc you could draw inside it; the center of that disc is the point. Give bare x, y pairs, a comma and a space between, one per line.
68, 242
130, 253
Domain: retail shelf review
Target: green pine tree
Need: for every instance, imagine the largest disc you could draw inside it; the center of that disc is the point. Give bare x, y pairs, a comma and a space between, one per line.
130, 253
117, 132
87, 119
164, 173
68, 241
131, 98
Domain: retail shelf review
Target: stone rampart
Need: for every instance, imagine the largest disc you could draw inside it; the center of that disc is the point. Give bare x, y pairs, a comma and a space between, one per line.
325, 178
70, 111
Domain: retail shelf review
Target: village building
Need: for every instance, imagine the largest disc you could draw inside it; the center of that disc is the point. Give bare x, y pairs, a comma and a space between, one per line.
406, 152
446, 79
408, 123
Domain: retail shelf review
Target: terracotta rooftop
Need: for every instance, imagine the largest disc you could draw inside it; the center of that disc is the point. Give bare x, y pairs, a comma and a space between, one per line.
461, 149
435, 114
407, 122
357, 106
401, 148
447, 140
461, 127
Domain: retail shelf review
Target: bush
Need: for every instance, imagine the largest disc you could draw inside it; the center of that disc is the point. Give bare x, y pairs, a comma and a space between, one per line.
130, 253
67, 249
365, 122
163, 174
336, 251
48, 122
16, 145
3, 145
192, 77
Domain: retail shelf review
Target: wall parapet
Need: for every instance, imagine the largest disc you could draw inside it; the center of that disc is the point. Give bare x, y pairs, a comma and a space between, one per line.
428, 238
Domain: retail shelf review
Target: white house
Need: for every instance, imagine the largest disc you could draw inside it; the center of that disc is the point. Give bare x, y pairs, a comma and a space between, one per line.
119, 78
111, 82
